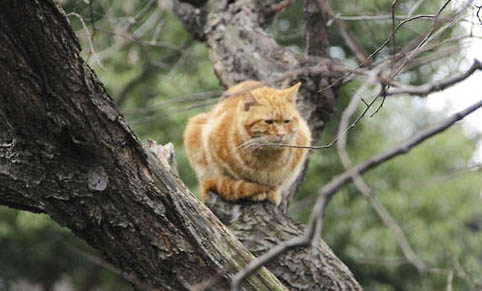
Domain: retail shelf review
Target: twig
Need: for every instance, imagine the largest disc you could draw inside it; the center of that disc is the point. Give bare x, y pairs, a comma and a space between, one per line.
387, 41
415, 7
327, 69
351, 42
328, 145
437, 85
477, 14
432, 33
361, 184
394, 3
160, 114
387, 17
141, 14
457, 273
92, 23
450, 278
151, 70
287, 146
200, 96
89, 37
133, 36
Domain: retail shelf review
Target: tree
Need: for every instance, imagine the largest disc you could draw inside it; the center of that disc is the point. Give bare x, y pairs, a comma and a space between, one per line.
118, 196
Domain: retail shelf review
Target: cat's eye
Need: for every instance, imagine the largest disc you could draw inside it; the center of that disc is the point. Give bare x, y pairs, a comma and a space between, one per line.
269, 121
287, 121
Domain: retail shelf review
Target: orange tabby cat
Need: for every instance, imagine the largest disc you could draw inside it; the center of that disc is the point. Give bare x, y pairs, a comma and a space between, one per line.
223, 145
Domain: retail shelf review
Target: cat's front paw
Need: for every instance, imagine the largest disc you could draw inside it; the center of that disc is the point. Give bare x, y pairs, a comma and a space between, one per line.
274, 197
259, 197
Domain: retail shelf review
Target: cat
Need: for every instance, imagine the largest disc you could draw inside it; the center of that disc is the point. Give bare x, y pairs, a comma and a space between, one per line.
223, 145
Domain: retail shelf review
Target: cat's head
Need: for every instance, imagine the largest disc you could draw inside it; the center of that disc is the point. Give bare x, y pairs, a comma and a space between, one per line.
269, 115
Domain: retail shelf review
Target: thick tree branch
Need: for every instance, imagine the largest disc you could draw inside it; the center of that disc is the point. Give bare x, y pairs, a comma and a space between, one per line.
262, 231
67, 152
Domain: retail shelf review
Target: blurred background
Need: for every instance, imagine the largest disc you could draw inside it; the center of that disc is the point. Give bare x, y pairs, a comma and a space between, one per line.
159, 76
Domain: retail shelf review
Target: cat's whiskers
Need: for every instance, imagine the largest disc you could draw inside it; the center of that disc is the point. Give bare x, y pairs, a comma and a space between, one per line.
252, 145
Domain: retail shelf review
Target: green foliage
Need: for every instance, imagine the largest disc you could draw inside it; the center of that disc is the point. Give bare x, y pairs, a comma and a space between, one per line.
428, 192
39, 251
157, 80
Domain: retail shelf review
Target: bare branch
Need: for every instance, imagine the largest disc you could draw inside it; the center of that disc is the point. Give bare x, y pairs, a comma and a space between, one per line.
332, 142
128, 35
89, 37
387, 41
361, 184
381, 17
437, 85
195, 97
450, 278
387, 17
336, 183
394, 4
435, 30
477, 14
352, 42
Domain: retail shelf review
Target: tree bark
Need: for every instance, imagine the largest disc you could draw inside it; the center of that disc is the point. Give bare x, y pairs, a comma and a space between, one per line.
66, 151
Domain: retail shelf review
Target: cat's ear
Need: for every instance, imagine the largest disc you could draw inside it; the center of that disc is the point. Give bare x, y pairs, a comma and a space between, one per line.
248, 102
291, 92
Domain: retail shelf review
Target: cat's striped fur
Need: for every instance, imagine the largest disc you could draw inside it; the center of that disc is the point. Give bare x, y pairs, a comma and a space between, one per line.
223, 145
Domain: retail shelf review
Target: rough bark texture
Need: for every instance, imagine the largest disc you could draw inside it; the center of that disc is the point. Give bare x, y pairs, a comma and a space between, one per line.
260, 226
66, 151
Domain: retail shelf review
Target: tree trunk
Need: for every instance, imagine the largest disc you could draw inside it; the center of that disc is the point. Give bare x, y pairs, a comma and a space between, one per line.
66, 151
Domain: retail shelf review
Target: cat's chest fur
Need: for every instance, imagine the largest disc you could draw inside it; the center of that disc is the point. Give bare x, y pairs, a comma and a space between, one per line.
238, 149
266, 166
